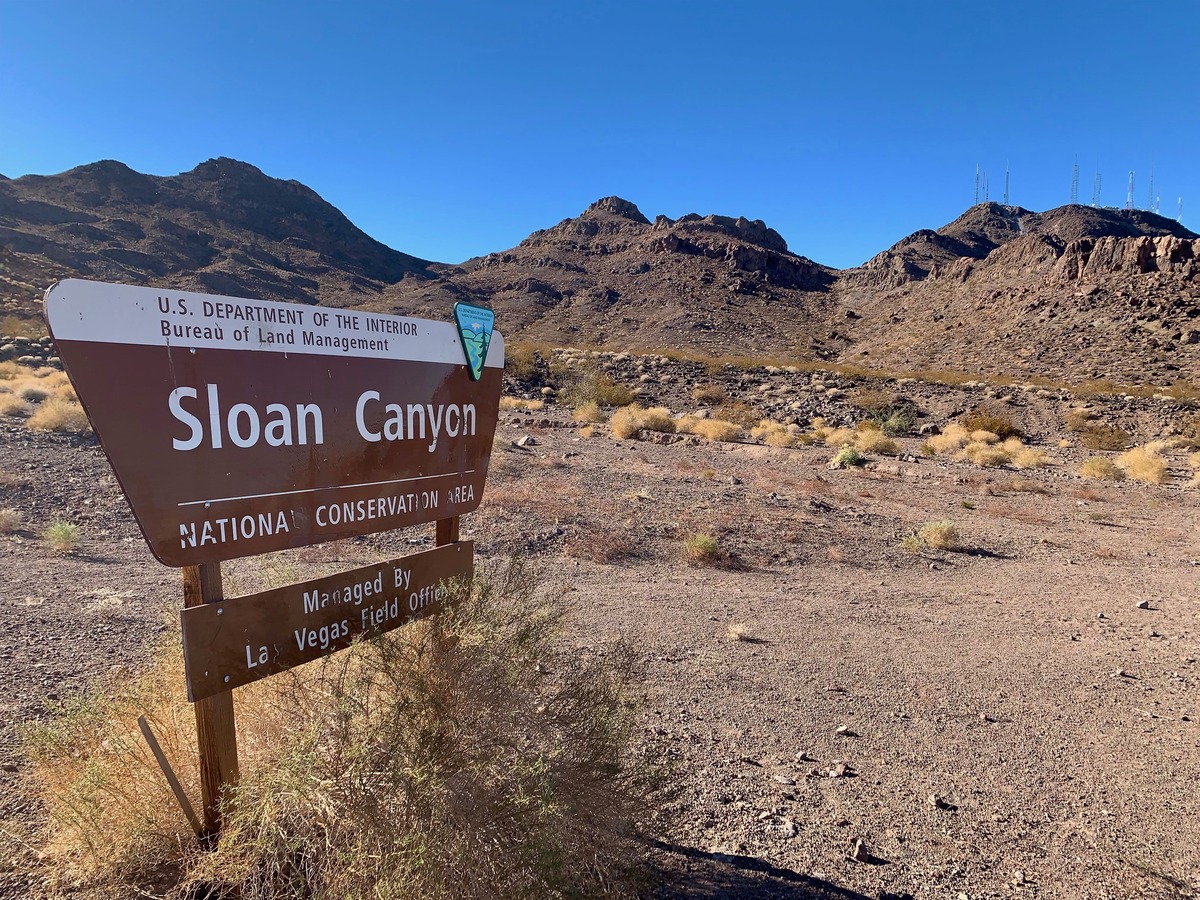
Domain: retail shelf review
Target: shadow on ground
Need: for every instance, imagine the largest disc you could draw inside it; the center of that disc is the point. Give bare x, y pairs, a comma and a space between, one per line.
690, 874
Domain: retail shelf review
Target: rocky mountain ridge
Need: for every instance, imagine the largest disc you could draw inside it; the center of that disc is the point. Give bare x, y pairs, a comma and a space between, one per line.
224, 227
1068, 294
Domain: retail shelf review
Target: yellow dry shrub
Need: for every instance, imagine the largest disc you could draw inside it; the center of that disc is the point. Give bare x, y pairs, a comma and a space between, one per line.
1029, 458
10, 520
941, 535
659, 418
522, 403
629, 420
980, 436
12, 405
1194, 460
773, 434
10, 369
1101, 468
57, 414
626, 422
870, 440
839, 437
985, 454
953, 437
820, 428
716, 430
589, 412
1144, 464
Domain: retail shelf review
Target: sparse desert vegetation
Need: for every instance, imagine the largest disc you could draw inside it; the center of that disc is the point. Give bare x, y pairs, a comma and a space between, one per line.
679, 543
940, 535
372, 767
61, 537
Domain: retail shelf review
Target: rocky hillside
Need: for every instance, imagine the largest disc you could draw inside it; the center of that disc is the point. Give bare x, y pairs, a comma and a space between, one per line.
224, 227
612, 277
1070, 294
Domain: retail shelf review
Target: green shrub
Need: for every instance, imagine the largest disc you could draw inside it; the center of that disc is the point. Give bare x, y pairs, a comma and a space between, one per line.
847, 457
61, 536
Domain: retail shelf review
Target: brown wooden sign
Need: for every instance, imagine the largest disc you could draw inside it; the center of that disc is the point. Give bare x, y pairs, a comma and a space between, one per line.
237, 427
234, 642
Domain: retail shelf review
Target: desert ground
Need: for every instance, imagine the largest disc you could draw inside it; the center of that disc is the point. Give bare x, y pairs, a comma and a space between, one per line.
847, 713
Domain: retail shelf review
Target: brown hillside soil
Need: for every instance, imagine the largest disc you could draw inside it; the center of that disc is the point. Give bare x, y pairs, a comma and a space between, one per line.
1001, 721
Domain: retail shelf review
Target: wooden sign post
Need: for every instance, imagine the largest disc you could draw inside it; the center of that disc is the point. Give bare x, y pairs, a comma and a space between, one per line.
216, 735
238, 427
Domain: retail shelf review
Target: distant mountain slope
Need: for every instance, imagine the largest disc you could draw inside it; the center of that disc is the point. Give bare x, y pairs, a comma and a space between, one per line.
1069, 294
611, 276
223, 227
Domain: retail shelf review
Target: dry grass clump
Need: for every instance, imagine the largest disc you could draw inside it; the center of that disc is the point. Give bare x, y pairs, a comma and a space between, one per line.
1144, 463
61, 415
61, 537
1104, 437
626, 422
12, 405
941, 535
703, 550
982, 453
1078, 419
629, 420
521, 361
1194, 460
873, 440
34, 393
839, 437
603, 545
709, 394
522, 403
590, 383
739, 413
465, 755
1030, 458
710, 429
953, 437
10, 520
774, 434
739, 631
589, 412
990, 418
1101, 468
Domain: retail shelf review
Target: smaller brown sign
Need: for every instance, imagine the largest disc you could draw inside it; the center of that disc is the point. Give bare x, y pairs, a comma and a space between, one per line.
235, 642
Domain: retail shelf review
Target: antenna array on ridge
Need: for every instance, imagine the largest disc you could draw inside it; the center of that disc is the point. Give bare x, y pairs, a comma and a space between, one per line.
1096, 190
1075, 181
1129, 196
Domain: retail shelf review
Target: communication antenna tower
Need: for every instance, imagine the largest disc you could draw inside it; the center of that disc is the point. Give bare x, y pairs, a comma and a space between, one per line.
1129, 196
1096, 190
1075, 181
1179, 215
985, 188
1150, 190
1006, 183
976, 184
1158, 205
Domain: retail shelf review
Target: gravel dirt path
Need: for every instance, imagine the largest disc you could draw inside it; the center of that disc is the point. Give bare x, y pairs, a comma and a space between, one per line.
1017, 719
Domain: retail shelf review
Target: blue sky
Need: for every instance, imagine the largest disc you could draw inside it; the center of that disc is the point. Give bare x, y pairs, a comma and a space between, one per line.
452, 129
